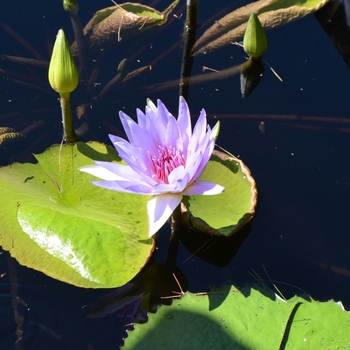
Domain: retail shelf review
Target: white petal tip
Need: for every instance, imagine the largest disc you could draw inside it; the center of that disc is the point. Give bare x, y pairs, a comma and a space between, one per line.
204, 188
151, 105
159, 209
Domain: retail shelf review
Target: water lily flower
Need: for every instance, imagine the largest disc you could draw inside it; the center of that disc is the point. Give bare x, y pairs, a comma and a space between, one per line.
164, 159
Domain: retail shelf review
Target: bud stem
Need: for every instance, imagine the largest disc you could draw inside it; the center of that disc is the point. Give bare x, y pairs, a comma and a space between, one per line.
68, 129
82, 48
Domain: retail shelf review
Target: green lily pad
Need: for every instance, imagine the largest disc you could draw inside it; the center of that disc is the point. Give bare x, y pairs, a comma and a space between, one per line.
225, 213
55, 221
319, 325
249, 318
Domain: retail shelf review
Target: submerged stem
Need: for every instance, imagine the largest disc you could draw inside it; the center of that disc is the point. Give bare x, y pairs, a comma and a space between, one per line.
176, 218
68, 129
176, 224
29, 62
117, 79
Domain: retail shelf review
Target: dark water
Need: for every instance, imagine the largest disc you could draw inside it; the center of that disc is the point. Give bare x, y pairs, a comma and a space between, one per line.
300, 234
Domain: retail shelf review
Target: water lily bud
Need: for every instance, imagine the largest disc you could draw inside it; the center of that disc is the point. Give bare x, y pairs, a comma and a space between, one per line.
124, 66
71, 6
63, 73
255, 41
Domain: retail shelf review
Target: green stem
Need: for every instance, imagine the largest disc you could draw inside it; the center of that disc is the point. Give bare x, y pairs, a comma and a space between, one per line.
72, 7
67, 120
82, 48
189, 40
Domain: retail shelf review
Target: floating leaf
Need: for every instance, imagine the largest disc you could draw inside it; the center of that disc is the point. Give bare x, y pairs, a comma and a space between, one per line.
121, 22
272, 13
55, 221
225, 213
250, 318
318, 324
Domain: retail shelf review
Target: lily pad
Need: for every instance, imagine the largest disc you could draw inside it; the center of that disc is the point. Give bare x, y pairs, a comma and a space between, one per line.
248, 318
225, 213
272, 13
318, 324
121, 22
55, 221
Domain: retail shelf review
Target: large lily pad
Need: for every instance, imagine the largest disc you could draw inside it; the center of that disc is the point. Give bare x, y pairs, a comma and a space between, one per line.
226, 213
272, 13
318, 324
249, 318
121, 22
55, 221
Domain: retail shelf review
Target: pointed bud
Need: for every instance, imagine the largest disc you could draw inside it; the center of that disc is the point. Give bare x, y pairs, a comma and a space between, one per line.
255, 41
71, 6
63, 73
124, 66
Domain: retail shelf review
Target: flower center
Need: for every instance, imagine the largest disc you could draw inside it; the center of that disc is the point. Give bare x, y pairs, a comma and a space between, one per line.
165, 162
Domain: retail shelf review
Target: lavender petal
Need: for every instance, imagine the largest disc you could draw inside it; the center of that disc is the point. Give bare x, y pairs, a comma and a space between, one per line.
159, 209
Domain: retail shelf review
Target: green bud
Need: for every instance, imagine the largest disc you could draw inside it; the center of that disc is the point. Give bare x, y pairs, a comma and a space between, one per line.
71, 6
63, 73
255, 41
124, 66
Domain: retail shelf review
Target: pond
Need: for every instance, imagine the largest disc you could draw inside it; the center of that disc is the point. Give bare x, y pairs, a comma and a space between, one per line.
292, 135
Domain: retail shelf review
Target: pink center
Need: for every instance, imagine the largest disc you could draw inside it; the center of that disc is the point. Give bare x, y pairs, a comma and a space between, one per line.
167, 160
